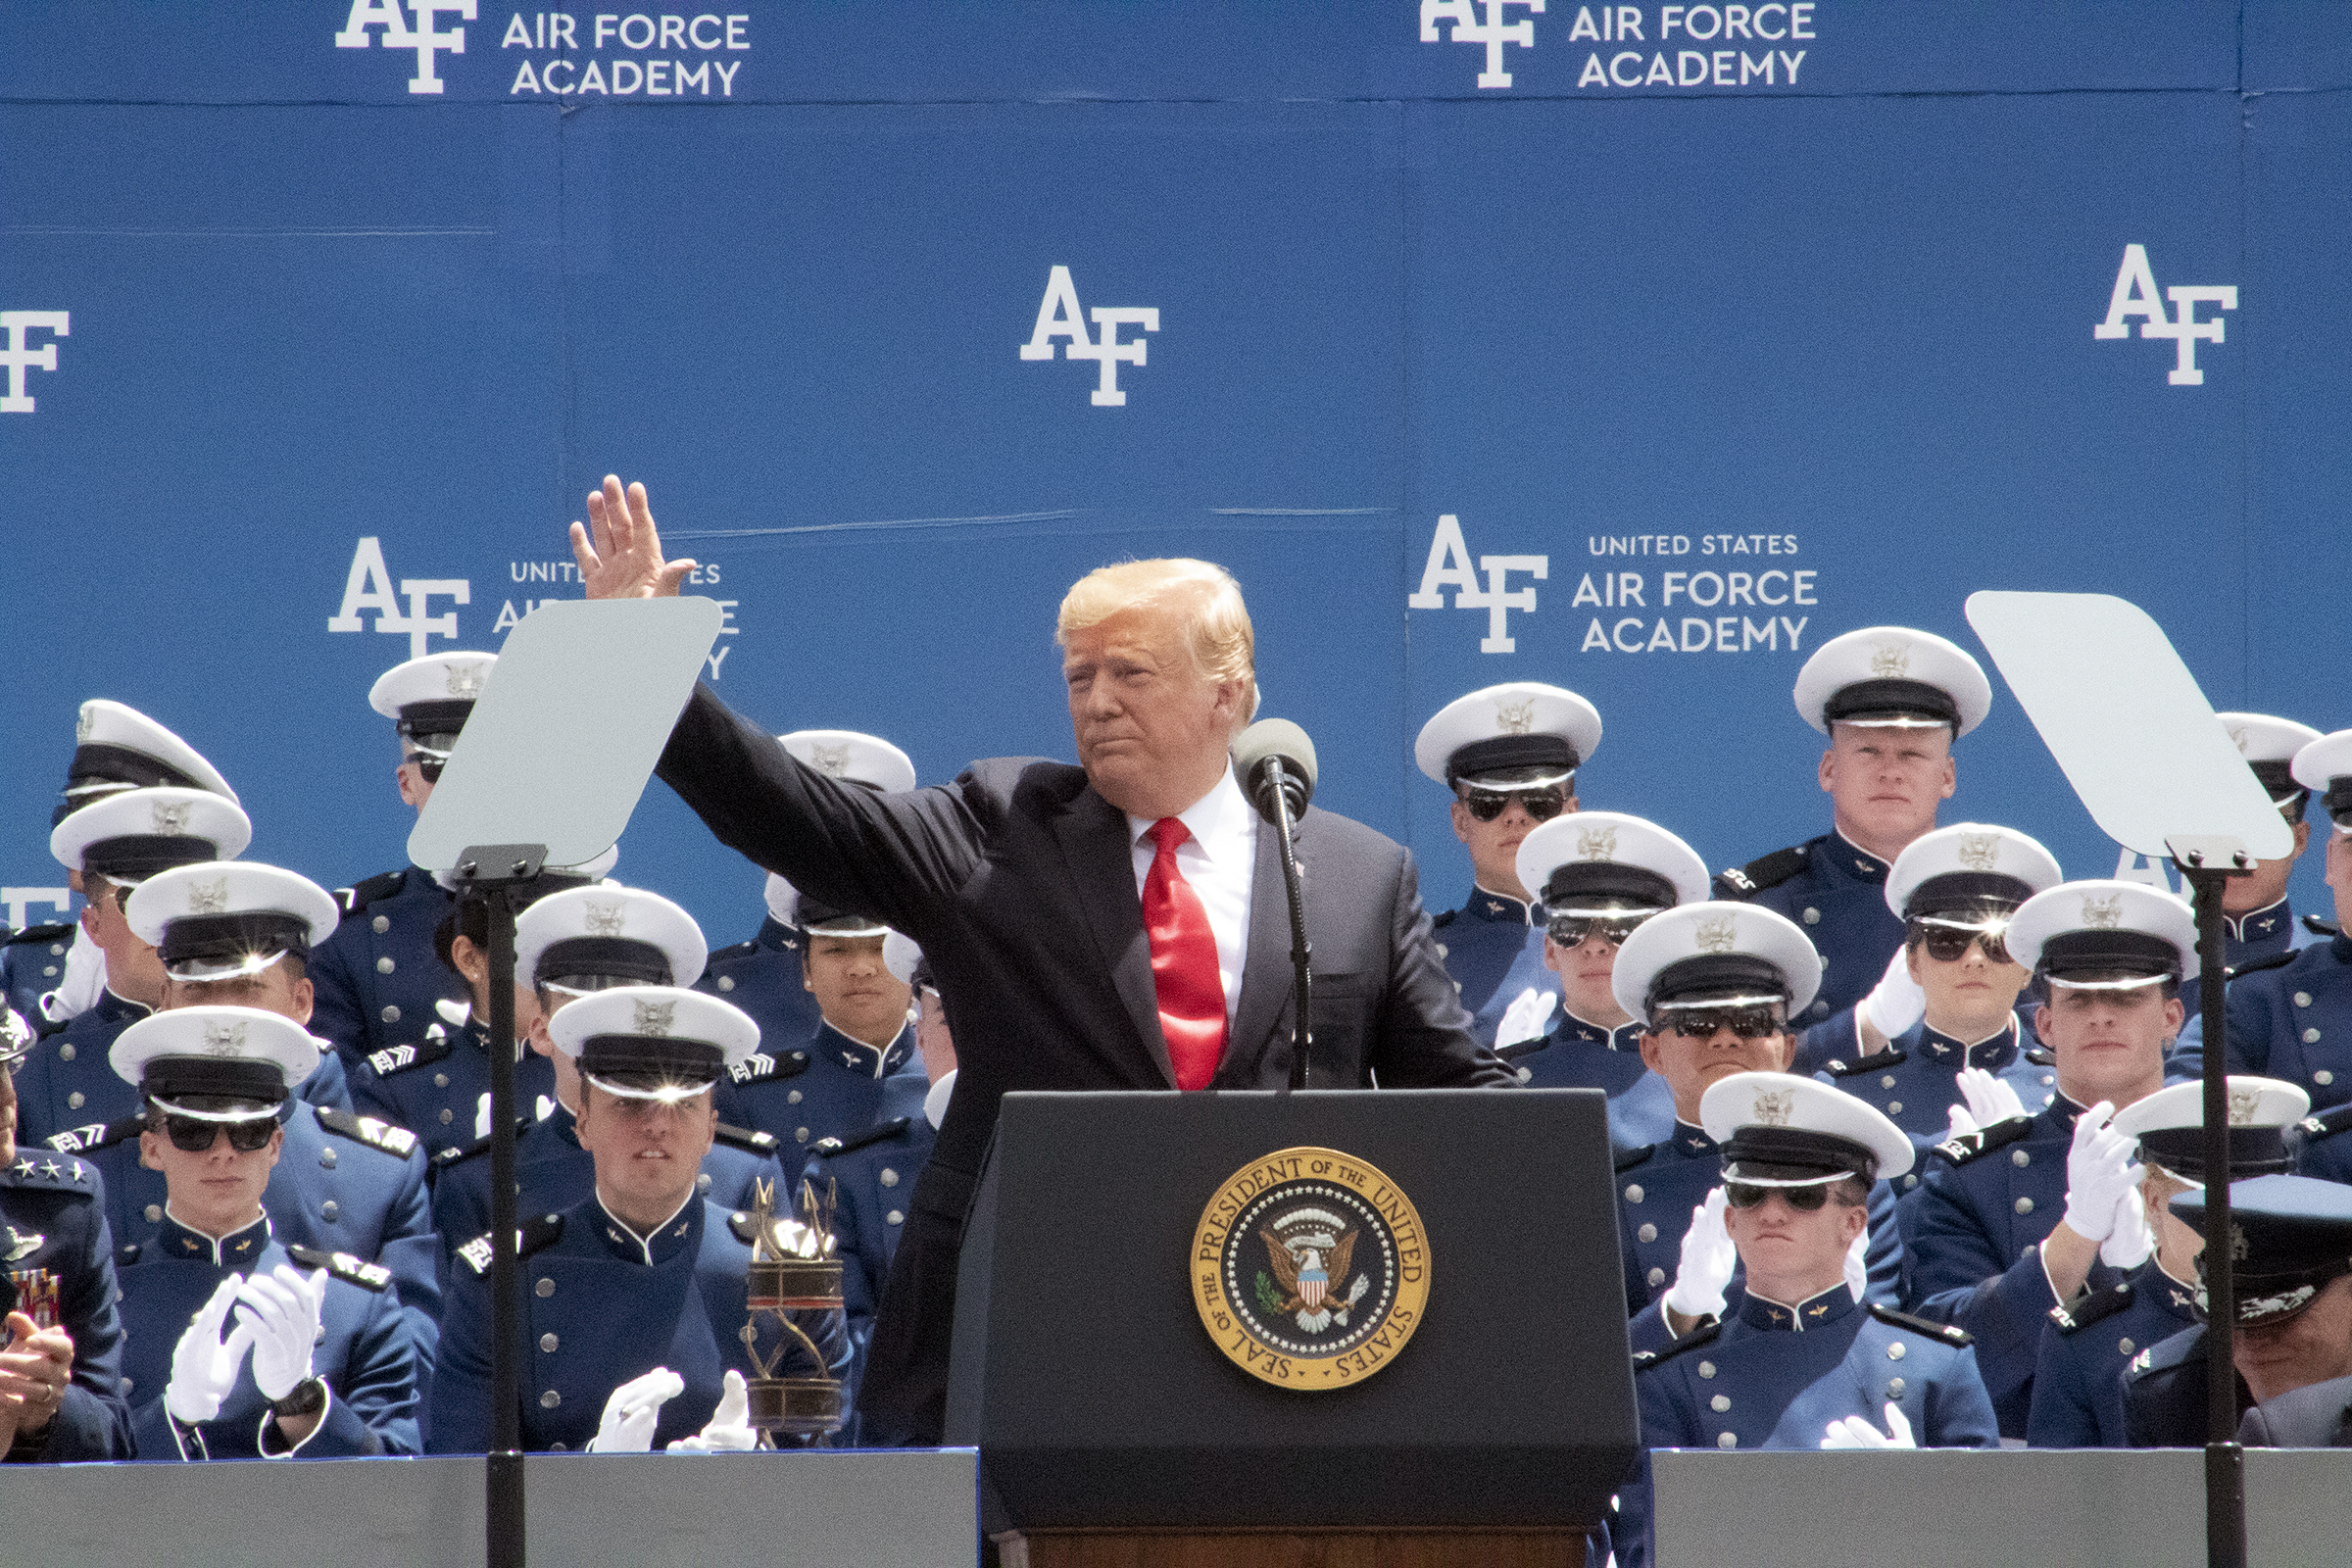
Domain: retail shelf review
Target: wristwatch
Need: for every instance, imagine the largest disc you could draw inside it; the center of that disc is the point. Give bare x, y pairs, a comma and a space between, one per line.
308, 1398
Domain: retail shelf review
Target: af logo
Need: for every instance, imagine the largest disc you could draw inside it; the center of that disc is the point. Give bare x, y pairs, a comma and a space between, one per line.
1448, 565
1309, 1270
369, 587
425, 37
20, 355
2135, 294
1059, 316
1493, 33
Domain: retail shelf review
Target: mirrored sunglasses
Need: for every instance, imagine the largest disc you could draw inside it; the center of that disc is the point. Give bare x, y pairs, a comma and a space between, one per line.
1702, 1024
1568, 930
191, 1134
1804, 1199
1946, 944
1542, 803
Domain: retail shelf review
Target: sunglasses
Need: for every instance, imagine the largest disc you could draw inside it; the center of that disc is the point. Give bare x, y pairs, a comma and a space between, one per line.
1950, 943
1568, 930
1804, 1199
193, 1136
1702, 1024
1542, 803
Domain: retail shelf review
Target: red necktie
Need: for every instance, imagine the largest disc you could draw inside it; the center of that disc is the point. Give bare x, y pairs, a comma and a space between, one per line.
1184, 963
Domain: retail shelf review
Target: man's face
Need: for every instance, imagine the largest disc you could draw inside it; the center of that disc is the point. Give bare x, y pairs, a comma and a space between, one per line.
932, 1039
2311, 1347
2339, 874
1970, 986
1494, 844
272, 990
647, 1151
216, 1190
415, 788
1887, 783
1691, 1062
854, 988
1147, 723
2109, 1044
1778, 1241
132, 968
1585, 970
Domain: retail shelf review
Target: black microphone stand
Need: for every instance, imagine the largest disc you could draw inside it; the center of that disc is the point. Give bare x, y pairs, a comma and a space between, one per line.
1279, 784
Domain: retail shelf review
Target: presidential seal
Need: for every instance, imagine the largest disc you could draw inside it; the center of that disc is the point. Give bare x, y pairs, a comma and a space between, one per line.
1310, 1269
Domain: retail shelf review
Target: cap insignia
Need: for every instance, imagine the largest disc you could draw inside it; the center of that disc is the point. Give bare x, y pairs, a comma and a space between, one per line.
1890, 662
654, 1018
225, 1039
83, 723
1596, 842
209, 898
831, 760
1980, 852
1718, 933
1515, 718
464, 682
2103, 914
2245, 1104
1773, 1107
606, 920
171, 818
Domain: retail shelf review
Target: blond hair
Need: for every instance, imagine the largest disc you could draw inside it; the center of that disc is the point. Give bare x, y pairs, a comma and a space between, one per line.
1219, 633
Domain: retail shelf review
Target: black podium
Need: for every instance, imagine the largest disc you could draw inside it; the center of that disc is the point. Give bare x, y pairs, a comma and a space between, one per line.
1114, 1429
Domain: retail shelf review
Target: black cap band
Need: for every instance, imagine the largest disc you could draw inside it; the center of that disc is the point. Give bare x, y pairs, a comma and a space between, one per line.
2338, 799
2278, 778
231, 1077
1510, 751
1582, 881
1730, 973
223, 937
1892, 698
1962, 890
2108, 951
442, 717
2253, 1151
812, 915
118, 764
621, 958
136, 859
663, 1056
1787, 1154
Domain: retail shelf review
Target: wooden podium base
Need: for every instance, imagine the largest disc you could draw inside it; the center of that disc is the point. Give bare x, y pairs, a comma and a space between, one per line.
1291, 1549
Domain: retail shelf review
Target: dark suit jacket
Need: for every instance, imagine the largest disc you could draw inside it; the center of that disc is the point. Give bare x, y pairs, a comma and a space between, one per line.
2318, 1416
1018, 881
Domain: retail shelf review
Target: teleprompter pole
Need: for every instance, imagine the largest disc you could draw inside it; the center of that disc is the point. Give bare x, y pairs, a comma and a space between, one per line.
2206, 865
488, 875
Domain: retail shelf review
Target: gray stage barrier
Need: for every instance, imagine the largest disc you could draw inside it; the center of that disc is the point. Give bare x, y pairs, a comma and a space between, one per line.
1966, 1509
799, 1510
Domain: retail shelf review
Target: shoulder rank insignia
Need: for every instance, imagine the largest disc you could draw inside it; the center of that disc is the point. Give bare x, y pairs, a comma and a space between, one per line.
358, 897
1522, 1047
2321, 928
827, 1147
2141, 1362
740, 950
1628, 1158
760, 1067
58, 933
2083, 1311
1957, 1337
539, 1231
1877, 1061
94, 1136
343, 1266
398, 1141
1756, 876
35, 1170
1977, 1145
1704, 1334
1438, 922
2276, 961
401, 1057
748, 1138
2326, 1124
458, 1153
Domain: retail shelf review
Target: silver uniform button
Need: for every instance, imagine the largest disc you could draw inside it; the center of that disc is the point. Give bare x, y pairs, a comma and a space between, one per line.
547, 1342
440, 1080
330, 1210
1895, 1388
549, 1399
1706, 1369
1657, 1277
792, 1096
327, 1159
2311, 1037
1720, 1403
448, 1116
1442, 949
74, 1100
2024, 1206
1632, 1194
154, 1212
381, 924
1895, 1352
701, 1182
801, 1136
391, 1016
49, 971
1812, 917
2302, 999
1886, 1081
893, 1217
1527, 1075
2124, 1346
889, 1178
1647, 1233
726, 982
1730, 1439
64, 1052
2322, 1076
1894, 1107
57, 949
385, 966
2027, 1250
544, 1288
2018, 1156
1910, 1182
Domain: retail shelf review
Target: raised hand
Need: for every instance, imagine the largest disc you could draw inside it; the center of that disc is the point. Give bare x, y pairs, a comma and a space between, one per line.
634, 1410
281, 1311
619, 551
727, 1431
1856, 1431
2098, 1170
204, 1366
1990, 1100
1708, 1258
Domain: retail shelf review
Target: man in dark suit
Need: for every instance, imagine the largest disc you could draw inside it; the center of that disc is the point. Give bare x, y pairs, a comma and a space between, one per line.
1079, 920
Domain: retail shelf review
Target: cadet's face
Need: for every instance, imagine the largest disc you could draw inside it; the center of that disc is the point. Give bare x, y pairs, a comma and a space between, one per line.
1494, 846
1153, 731
216, 1190
1778, 1241
132, 968
1689, 1064
1885, 784
272, 990
854, 989
1970, 986
415, 788
2109, 1044
2311, 1347
647, 1151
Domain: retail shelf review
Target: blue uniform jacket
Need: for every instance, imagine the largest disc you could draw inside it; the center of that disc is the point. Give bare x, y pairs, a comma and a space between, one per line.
436, 1084
1578, 1054
829, 1087
1838, 894
2292, 1022
2251, 937
601, 1306
1658, 1187
32, 963
377, 975
1972, 1235
1915, 1080
2078, 1381
53, 1207
363, 1354
872, 1176
2324, 1146
2164, 1393
762, 977
1492, 947
553, 1173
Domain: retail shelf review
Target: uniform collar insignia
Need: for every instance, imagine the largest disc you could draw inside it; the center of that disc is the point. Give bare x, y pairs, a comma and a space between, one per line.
2255, 924
1814, 1312
1866, 866
1488, 904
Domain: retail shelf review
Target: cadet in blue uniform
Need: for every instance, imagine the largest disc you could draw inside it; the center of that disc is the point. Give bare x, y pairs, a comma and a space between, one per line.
2018, 1217
61, 1350
319, 1362
2257, 916
1716, 983
573, 943
1892, 701
1800, 1363
378, 976
2293, 1289
1601, 874
2293, 1019
2322, 1151
32, 965
635, 1299
1955, 890
1508, 754
2077, 1380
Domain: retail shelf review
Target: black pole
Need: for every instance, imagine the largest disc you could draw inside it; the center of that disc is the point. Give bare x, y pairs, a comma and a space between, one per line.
1302, 985
2225, 1459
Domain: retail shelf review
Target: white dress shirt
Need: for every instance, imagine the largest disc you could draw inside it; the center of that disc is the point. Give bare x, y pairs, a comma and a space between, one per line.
1221, 861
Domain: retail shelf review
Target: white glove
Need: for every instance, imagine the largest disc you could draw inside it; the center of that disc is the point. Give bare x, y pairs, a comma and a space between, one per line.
1897, 1001
1963, 1124
1529, 1017
481, 1118
2099, 1171
726, 1433
1856, 1431
281, 1311
1857, 1266
204, 1366
2129, 1244
1708, 1258
630, 1415
1990, 1100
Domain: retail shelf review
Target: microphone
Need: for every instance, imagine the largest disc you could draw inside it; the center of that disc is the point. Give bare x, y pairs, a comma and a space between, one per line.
1274, 757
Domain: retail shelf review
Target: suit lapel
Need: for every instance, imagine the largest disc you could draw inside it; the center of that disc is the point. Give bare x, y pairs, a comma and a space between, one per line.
1093, 833
1266, 976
